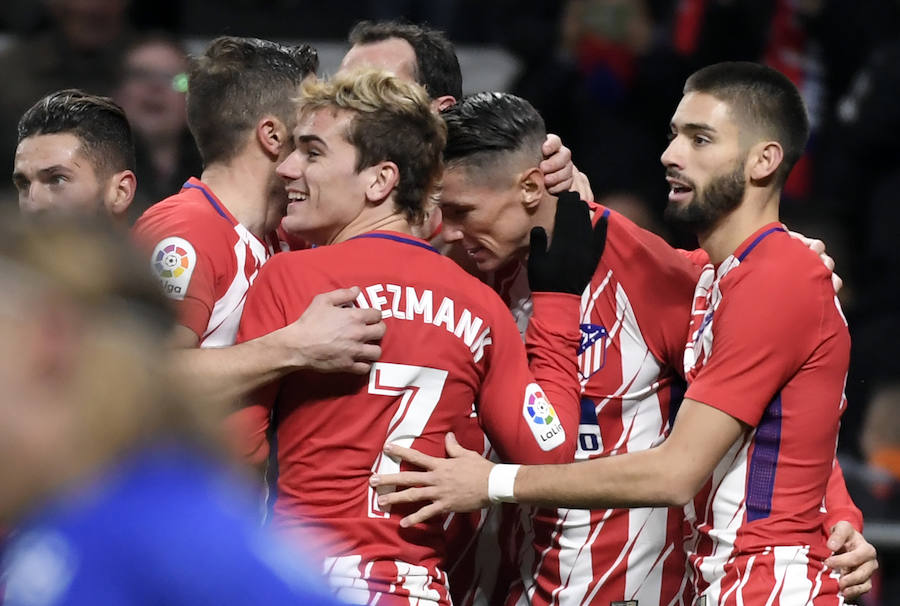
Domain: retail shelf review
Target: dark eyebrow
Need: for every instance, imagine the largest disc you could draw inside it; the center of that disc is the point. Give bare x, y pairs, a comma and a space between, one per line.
53, 169
310, 139
694, 127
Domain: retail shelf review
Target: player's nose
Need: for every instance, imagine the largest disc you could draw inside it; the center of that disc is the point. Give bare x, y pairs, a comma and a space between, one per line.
33, 200
671, 155
291, 168
451, 232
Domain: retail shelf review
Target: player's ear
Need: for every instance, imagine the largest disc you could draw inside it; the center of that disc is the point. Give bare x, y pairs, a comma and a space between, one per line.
764, 159
383, 178
531, 187
442, 103
272, 134
120, 194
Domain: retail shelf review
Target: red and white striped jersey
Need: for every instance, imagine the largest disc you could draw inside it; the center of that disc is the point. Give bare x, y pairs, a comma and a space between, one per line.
770, 347
451, 357
204, 258
630, 379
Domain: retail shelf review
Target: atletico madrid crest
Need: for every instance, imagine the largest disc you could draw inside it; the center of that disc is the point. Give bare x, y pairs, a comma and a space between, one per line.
592, 349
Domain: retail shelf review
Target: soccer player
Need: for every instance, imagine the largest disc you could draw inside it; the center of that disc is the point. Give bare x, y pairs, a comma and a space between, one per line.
75, 154
368, 149
210, 240
629, 493
424, 55
112, 477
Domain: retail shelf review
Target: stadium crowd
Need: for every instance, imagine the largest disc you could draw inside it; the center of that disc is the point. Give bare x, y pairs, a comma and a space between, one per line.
314, 319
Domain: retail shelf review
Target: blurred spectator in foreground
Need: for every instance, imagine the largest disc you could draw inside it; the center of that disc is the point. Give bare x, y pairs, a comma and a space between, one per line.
80, 49
117, 487
75, 155
875, 484
152, 87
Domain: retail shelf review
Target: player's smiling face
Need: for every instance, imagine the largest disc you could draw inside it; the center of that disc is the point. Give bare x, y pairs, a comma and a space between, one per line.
705, 162
52, 174
485, 215
325, 191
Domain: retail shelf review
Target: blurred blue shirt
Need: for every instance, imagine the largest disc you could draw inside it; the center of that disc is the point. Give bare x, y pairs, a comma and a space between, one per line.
168, 526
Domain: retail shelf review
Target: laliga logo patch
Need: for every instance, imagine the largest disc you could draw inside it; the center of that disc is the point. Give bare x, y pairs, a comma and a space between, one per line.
173, 261
542, 419
591, 349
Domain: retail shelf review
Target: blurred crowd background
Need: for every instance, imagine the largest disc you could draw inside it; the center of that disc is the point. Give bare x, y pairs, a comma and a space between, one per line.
606, 75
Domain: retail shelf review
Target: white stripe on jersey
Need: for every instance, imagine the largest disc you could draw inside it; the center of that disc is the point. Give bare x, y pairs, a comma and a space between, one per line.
351, 586
226, 313
722, 514
643, 427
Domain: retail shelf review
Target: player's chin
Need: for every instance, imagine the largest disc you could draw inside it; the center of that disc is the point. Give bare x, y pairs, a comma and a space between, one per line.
295, 225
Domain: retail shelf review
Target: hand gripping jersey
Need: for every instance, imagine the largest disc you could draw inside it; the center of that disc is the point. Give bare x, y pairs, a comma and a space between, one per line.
451, 352
204, 258
770, 347
633, 322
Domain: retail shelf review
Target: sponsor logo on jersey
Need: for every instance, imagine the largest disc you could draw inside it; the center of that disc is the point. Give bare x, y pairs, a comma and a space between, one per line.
542, 418
591, 349
173, 261
624, 603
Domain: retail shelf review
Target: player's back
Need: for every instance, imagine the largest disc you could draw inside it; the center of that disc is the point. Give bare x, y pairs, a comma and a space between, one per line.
451, 351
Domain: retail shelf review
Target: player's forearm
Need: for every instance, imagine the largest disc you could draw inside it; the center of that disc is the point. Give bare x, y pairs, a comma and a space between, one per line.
637, 479
230, 373
551, 342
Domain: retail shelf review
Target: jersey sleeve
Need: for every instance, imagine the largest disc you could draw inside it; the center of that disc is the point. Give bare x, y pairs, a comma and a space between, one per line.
263, 313
189, 260
763, 331
531, 414
838, 504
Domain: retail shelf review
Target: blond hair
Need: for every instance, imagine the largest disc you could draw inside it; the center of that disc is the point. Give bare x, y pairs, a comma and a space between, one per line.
393, 122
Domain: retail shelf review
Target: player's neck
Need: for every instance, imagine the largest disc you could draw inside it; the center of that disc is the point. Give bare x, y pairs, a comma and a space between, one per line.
726, 236
365, 223
241, 185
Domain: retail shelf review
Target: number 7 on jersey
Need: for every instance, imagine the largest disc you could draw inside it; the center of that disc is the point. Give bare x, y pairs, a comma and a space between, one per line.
420, 388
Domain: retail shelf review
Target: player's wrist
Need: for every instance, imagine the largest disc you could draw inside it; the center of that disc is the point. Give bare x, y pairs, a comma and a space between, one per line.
502, 483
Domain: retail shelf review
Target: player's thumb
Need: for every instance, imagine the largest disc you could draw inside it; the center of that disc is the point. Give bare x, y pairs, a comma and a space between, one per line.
840, 534
452, 446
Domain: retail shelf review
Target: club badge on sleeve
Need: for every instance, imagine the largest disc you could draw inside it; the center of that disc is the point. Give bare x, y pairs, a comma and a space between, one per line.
542, 418
173, 261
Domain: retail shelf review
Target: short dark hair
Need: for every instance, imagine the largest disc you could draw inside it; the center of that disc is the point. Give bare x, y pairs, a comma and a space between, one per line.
485, 125
437, 67
761, 98
98, 123
234, 83
393, 121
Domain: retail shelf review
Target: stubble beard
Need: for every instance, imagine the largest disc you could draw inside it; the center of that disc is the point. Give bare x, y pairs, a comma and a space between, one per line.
721, 196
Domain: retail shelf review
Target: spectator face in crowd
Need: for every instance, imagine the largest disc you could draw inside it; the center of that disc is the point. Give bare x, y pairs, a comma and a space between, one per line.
492, 188
152, 89
75, 155
81, 361
89, 24
367, 150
